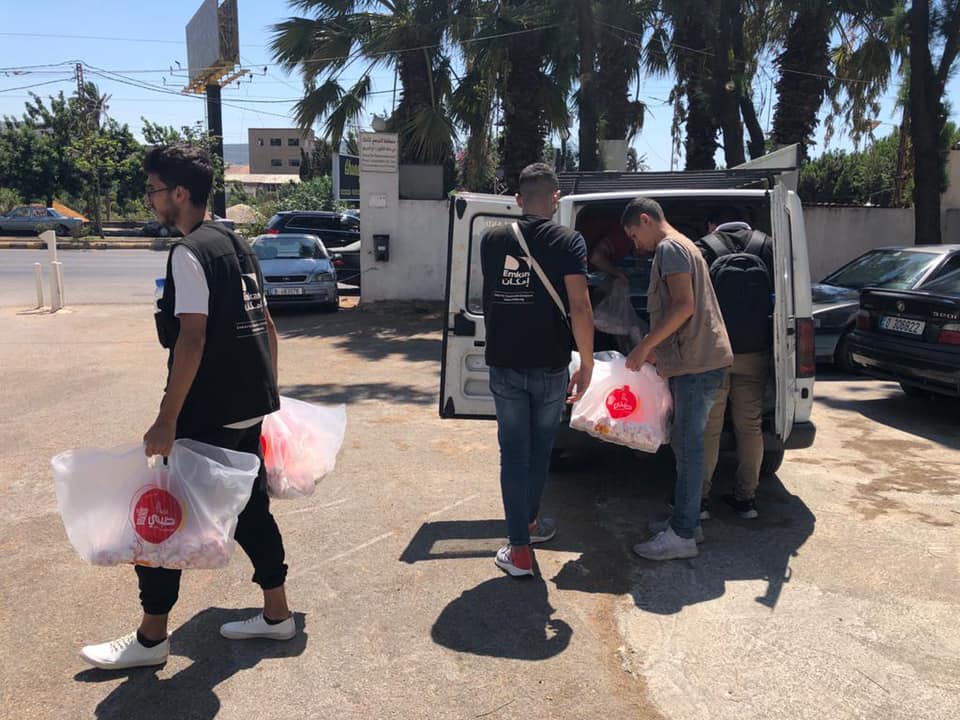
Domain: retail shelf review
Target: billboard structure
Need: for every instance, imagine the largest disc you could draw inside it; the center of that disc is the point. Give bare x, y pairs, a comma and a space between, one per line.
213, 45
213, 53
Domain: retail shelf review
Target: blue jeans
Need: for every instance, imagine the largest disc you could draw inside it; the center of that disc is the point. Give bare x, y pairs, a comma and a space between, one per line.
529, 405
693, 396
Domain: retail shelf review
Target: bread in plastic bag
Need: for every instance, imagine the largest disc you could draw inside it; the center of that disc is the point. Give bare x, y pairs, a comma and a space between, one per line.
119, 507
622, 406
614, 313
300, 443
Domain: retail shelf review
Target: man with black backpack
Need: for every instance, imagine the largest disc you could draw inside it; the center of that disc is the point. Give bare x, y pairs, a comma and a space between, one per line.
741, 269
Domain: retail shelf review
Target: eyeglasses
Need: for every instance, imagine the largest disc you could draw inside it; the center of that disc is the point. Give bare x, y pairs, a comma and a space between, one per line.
149, 191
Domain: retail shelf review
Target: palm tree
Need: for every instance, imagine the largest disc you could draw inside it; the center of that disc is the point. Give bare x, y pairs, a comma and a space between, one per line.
410, 36
519, 66
691, 56
938, 24
622, 25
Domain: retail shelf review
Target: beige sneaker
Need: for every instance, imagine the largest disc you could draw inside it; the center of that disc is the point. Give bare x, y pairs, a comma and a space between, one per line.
125, 652
257, 627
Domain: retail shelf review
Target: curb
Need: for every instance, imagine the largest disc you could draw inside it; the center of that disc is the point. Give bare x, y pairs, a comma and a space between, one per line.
86, 245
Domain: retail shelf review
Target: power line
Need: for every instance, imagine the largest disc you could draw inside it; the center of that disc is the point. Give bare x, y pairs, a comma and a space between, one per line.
35, 85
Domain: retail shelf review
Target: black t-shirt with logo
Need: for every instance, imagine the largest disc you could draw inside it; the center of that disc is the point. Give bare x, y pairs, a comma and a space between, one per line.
524, 327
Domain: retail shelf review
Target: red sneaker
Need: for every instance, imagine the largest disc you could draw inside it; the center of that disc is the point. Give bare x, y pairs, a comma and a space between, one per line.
515, 560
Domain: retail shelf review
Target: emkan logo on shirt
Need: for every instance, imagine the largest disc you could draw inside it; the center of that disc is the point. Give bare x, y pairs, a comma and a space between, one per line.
516, 272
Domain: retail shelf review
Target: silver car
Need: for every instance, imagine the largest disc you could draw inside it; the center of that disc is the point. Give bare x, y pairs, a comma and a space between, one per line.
297, 270
35, 219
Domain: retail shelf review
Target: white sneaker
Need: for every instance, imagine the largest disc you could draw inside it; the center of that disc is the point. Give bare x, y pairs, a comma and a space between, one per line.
257, 627
125, 652
660, 527
667, 545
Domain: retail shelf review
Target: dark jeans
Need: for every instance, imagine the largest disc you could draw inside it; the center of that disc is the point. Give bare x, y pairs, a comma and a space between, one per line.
257, 532
529, 405
693, 396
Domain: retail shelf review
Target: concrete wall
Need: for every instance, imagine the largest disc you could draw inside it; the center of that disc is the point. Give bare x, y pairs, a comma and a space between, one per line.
950, 200
418, 254
837, 235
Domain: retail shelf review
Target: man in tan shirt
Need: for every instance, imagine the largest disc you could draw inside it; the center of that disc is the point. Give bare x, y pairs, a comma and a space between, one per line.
689, 345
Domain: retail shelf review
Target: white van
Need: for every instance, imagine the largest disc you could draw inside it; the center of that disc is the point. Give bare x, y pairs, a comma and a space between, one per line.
687, 198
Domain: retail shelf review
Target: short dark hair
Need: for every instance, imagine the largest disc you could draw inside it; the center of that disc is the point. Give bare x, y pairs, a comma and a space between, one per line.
538, 180
725, 214
185, 165
641, 206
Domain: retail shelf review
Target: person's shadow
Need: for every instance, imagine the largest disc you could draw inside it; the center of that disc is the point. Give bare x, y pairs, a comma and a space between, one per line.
504, 617
190, 693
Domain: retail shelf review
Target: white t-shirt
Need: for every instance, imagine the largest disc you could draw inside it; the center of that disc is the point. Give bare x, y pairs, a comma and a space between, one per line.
193, 297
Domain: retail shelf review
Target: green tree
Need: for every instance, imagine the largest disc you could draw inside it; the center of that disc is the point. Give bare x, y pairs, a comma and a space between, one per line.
9, 199
315, 194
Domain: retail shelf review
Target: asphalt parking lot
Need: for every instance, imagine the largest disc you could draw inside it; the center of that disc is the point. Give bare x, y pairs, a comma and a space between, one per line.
839, 602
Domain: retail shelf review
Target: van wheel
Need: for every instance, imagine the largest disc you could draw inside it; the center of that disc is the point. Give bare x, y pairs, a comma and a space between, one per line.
772, 460
841, 356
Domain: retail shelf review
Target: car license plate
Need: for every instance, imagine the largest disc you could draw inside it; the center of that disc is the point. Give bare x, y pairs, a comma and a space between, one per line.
286, 291
902, 325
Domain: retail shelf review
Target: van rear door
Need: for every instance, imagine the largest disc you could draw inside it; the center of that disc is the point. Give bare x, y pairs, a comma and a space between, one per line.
464, 378
784, 326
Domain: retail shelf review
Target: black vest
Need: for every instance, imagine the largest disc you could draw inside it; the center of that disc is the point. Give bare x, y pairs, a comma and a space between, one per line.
235, 380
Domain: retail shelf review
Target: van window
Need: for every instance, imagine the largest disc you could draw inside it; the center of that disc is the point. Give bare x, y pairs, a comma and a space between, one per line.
479, 225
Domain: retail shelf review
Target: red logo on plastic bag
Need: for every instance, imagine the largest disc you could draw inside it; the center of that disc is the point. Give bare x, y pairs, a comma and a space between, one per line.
621, 403
156, 515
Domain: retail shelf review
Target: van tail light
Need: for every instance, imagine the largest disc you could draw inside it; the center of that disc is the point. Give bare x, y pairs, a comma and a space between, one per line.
949, 334
273, 231
806, 349
863, 320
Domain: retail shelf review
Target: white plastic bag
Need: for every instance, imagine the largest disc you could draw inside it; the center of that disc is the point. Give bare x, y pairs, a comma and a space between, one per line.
300, 443
624, 407
119, 508
614, 314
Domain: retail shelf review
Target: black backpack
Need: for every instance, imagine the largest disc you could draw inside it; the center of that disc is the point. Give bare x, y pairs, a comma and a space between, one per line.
744, 287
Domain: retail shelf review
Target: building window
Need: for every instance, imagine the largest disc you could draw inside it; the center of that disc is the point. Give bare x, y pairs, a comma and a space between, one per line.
293, 142
276, 162
259, 142
276, 142
294, 162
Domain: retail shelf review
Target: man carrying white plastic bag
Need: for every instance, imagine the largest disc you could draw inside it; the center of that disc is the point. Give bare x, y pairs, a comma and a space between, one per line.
689, 344
222, 380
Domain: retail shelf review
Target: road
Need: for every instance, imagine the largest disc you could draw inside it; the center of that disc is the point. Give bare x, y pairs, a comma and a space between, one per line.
89, 276
840, 601
102, 277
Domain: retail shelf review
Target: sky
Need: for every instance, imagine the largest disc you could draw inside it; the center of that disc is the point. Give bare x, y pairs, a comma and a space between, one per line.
138, 43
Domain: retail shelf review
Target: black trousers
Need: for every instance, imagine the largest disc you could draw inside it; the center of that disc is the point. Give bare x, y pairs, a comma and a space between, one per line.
257, 532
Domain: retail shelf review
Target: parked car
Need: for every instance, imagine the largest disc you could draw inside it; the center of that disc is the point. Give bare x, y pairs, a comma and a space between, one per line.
36, 218
911, 336
339, 232
297, 270
687, 198
836, 298
154, 228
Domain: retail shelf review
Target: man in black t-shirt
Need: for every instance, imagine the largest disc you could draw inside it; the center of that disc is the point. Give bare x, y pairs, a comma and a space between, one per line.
528, 343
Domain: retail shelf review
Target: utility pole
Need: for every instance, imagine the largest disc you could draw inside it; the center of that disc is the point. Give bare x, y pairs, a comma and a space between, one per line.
79, 73
215, 132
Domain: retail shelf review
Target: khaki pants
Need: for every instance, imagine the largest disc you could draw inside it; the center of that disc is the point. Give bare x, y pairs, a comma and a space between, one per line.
744, 386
